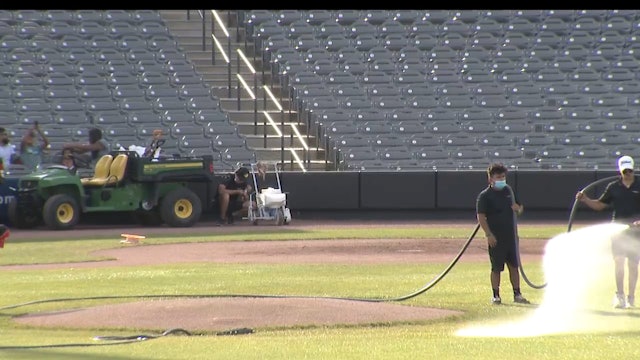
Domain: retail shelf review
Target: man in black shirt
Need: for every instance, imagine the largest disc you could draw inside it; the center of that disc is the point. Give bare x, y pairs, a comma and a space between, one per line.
233, 195
495, 212
623, 195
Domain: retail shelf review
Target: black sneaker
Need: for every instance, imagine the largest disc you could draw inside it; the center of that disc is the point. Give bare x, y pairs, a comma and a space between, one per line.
230, 219
520, 299
221, 222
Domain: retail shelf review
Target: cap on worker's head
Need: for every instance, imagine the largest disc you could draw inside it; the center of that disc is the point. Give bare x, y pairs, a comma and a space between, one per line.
625, 162
242, 173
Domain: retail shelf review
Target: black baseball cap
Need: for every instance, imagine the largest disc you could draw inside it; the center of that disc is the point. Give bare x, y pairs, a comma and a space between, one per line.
243, 173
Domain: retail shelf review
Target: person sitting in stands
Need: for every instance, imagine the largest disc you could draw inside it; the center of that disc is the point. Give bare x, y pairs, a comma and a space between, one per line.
153, 150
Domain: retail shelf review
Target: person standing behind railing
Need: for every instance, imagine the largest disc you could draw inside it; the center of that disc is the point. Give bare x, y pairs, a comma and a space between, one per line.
31, 151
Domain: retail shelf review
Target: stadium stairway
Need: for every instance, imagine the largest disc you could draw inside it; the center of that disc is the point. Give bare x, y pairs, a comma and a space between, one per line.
246, 113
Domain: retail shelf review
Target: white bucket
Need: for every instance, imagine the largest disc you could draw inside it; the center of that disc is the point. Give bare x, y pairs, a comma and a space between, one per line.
272, 198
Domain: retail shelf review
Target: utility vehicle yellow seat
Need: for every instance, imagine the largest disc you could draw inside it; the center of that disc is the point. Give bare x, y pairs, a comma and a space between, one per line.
116, 172
118, 168
101, 173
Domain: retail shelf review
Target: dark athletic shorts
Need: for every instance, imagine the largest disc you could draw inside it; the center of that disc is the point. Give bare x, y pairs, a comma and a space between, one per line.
501, 254
234, 205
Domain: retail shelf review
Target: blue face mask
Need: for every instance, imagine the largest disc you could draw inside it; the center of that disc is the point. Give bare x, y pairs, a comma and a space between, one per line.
500, 184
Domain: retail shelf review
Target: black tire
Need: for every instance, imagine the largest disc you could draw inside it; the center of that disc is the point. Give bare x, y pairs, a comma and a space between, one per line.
148, 217
181, 208
20, 218
61, 212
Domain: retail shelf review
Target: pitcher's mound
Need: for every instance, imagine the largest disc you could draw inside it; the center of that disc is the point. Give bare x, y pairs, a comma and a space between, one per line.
219, 314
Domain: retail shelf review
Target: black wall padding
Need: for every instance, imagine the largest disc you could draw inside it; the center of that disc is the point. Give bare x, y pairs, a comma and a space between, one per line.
551, 190
409, 190
458, 190
322, 190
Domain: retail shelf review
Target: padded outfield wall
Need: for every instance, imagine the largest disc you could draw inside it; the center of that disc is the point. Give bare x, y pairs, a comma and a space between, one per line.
420, 191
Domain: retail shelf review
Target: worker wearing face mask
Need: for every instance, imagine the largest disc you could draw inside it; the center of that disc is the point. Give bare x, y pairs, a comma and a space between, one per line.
495, 209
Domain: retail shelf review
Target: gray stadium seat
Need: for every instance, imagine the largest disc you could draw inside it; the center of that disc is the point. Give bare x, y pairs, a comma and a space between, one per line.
143, 118
347, 17
359, 154
403, 114
496, 141
408, 127
575, 139
547, 114
596, 125
207, 116
616, 137
514, 76
386, 141
317, 16
377, 127
582, 114
330, 27
559, 126
474, 114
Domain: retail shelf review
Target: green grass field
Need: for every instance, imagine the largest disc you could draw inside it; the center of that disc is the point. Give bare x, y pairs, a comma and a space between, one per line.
465, 288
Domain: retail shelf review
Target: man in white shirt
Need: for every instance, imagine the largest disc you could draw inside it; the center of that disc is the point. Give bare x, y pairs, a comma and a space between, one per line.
7, 150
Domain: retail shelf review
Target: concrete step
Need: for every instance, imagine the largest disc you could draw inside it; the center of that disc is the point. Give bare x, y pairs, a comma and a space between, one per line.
187, 27
250, 104
247, 77
251, 116
223, 92
274, 141
260, 128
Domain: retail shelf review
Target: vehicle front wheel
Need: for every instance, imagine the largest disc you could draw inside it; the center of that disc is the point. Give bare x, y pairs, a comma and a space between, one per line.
61, 212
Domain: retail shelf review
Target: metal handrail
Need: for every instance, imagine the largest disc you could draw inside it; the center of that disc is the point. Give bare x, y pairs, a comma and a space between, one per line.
217, 44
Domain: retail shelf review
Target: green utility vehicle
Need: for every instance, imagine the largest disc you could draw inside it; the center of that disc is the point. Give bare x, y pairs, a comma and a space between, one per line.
155, 191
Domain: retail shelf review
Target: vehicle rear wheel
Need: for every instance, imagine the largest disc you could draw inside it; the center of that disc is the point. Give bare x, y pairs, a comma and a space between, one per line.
22, 218
61, 212
180, 208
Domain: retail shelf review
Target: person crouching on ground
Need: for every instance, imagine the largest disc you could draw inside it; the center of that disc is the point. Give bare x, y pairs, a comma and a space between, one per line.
233, 196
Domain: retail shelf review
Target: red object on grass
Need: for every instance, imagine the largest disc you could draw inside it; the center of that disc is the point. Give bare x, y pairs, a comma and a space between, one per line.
4, 234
